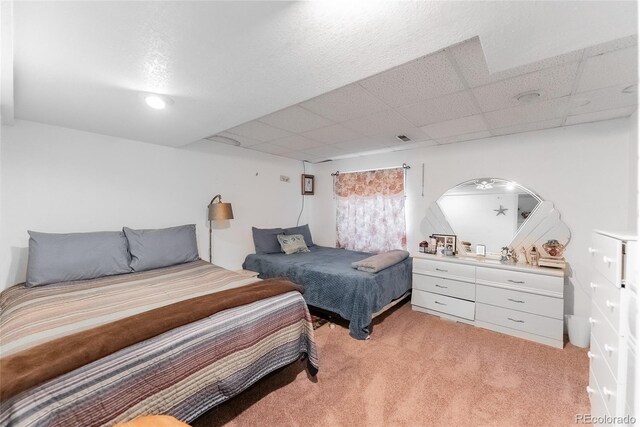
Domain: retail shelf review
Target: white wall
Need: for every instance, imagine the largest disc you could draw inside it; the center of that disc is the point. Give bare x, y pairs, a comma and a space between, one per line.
55, 179
585, 170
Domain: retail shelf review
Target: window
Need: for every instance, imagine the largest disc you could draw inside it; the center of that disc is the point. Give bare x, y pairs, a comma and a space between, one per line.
370, 210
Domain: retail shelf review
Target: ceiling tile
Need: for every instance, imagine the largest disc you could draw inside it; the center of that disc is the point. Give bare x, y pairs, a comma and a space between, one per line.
612, 45
296, 142
244, 141
471, 61
295, 119
296, 155
527, 127
425, 78
528, 113
446, 107
363, 144
465, 137
345, 103
324, 152
619, 67
384, 121
551, 82
602, 99
459, 126
332, 134
267, 147
258, 130
600, 115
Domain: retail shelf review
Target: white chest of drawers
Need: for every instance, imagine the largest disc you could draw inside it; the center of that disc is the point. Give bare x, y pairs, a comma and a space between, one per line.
523, 301
612, 376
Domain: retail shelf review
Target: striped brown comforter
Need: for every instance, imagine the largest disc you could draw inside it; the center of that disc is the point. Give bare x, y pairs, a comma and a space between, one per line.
182, 372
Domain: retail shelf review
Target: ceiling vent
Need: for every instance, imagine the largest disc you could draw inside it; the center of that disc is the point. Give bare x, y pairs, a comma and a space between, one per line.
224, 140
403, 138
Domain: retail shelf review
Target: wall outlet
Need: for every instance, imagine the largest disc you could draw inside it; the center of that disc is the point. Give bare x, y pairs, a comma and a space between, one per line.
284, 178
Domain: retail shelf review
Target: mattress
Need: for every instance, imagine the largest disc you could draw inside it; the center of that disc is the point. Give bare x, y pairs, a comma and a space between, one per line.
182, 372
330, 283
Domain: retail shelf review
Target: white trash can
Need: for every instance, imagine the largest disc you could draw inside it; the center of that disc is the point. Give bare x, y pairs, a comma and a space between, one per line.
579, 330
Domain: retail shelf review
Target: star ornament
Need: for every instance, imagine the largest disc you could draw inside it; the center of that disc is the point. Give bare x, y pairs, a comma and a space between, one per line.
501, 211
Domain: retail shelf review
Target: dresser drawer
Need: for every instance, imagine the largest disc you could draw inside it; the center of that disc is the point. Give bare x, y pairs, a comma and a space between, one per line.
607, 297
438, 285
444, 304
606, 257
608, 339
444, 269
521, 301
525, 322
598, 407
607, 385
538, 283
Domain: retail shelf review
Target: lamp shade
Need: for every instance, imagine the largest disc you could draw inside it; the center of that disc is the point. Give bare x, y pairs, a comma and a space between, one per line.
220, 211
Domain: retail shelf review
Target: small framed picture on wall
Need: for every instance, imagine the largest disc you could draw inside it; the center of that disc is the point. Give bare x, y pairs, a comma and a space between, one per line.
308, 185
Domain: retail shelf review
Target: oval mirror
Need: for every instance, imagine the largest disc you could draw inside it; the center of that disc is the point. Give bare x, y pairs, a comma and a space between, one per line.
495, 213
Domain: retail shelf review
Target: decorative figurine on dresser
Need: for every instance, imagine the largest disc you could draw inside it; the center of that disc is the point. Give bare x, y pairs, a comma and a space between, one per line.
505, 290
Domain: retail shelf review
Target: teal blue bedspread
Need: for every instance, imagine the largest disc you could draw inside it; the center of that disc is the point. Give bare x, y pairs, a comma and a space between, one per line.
330, 283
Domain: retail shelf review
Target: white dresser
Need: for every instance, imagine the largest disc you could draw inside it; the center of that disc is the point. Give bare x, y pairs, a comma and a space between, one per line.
523, 301
612, 356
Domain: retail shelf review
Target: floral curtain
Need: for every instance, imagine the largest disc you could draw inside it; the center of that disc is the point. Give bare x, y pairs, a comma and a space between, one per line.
370, 210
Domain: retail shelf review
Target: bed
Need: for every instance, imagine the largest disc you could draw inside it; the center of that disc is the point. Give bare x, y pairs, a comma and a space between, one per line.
330, 283
181, 372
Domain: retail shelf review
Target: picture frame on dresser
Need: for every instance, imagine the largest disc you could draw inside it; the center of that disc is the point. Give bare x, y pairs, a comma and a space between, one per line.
448, 241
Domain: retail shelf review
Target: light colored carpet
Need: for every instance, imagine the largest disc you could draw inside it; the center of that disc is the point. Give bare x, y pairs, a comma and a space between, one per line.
418, 369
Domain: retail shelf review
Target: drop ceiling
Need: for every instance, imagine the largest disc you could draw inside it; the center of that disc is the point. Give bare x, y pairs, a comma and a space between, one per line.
450, 96
324, 78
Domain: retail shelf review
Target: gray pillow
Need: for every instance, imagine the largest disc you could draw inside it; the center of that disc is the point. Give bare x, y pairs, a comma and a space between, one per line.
266, 240
57, 258
292, 244
304, 230
162, 247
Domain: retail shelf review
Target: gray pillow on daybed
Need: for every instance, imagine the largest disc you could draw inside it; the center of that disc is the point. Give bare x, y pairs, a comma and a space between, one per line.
57, 258
156, 248
266, 240
304, 230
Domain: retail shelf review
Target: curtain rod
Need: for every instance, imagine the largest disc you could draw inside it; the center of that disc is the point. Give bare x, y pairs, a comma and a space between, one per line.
404, 166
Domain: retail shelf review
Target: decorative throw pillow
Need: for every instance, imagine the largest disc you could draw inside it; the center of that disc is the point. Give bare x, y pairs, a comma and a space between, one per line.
292, 244
304, 230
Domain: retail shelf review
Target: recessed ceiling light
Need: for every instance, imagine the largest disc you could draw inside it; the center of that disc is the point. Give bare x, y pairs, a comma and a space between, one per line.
224, 140
528, 97
581, 102
157, 102
630, 89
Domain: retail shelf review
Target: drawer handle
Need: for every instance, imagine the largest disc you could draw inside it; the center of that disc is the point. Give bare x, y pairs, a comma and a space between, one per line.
440, 286
610, 304
606, 391
440, 269
516, 281
440, 303
592, 251
591, 355
607, 260
592, 320
590, 390
609, 349
593, 285
515, 320
516, 300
